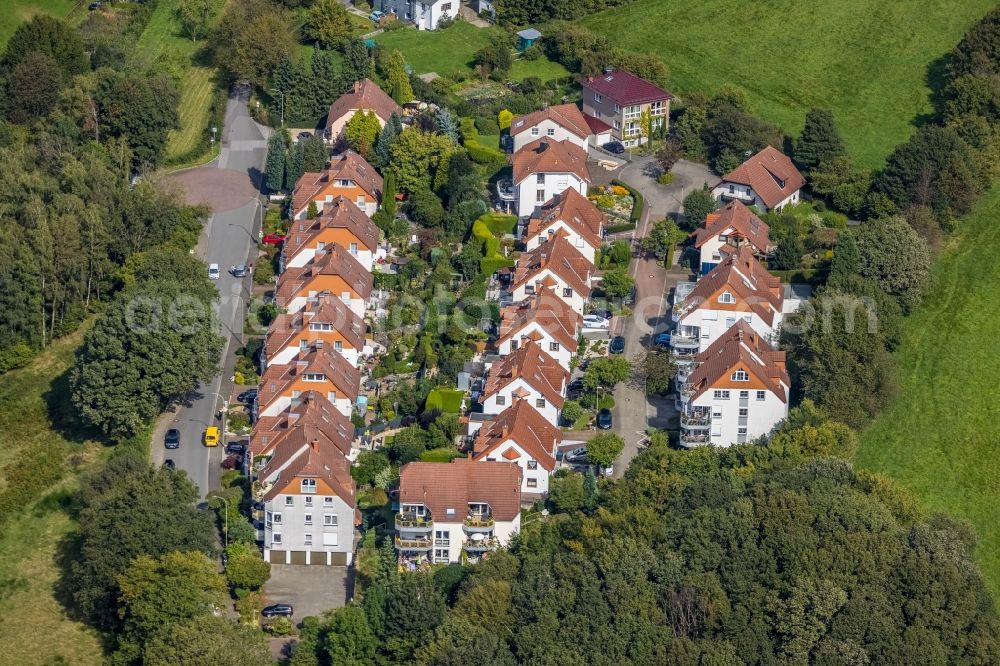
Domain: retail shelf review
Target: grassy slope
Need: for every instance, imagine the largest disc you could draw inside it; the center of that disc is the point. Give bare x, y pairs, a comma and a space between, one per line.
15, 12
940, 438
162, 38
35, 629
853, 56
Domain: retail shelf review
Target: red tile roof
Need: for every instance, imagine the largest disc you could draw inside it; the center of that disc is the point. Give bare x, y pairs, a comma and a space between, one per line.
547, 156
327, 310
338, 214
455, 485
524, 425
310, 417
567, 116
312, 462
364, 95
741, 346
346, 166
576, 210
597, 126
559, 256
734, 215
747, 278
535, 367
339, 376
626, 88
770, 173
551, 313
331, 260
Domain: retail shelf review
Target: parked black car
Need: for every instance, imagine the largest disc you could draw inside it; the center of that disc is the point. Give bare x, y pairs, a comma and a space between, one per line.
169, 464
604, 419
247, 397
614, 147
236, 448
606, 314
172, 440
617, 345
575, 386
277, 610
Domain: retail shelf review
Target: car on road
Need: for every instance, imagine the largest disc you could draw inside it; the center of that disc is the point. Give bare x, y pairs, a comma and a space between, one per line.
213, 271
593, 321
662, 340
604, 314
273, 239
575, 386
236, 448
576, 455
614, 147
617, 345
172, 440
604, 420
247, 397
169, 464
212, 436
376, 16
277, 610
238, 271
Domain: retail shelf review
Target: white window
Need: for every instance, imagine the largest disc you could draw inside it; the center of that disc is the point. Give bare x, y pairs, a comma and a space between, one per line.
303, 345
540, 179
656, 108
308, 519
741, 430
320, 327
716, 413
276, 538
727, 297
747, 318
616, 124
307, 539
761, 395
532, 483
532, 464
314, 377
744, 411
740, 376
329, 538
567, 292
440, 554
598, 98
309, 501
720, 395
354, 248
501, 400
723, 238
442, 537
331, 396
329, 519
338, 345
551, 132
289, 500
540, 403
540, 196
632, 111
343, 183
618, 108
345, 296
276, 518
309, 486
528, 289
744, 394
534, 131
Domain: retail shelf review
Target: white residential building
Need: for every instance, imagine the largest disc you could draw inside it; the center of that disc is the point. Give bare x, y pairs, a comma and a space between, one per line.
725, 230
564, 122
425, 15
528, 374
767, 180
544, 319
544, 168
456, 512
341, 223
555, 265
322, 370
324, 322
521, 435
570, 215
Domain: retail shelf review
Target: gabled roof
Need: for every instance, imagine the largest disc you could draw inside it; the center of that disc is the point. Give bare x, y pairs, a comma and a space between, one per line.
567, 116
559, 256
524, 425
734, 215
770, 173
746, 278
346, 166
455, 485
547, 156
576, 210
741, 346
548, 311
340, 376
310, 417
626, 88
331, 260
364, 95
596, 125
326, 310
312, 462
534, 366
338, 214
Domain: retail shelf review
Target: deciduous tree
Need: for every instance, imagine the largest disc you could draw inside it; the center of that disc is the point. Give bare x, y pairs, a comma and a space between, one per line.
604, 449
697, 205
361, 132
894, 257
245, 568
328, 23
617, 282
196, 17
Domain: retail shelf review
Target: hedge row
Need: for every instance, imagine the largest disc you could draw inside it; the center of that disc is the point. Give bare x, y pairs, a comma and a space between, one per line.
637, 200
618, 228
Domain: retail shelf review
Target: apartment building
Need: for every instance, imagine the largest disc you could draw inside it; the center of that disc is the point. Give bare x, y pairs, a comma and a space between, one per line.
332, 271
346, 175
324, 322
619, 99
568, 214
554, 265
544, 168
310, 418
737, 392
527, 374
341, 223
520, 434
457, 511
726, 229
544, 319
322, 370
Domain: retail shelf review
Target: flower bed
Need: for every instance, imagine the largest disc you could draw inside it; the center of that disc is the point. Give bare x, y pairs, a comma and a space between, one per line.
614, 201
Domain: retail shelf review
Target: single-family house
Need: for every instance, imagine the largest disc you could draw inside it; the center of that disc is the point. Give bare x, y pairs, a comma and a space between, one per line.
364, 97
456, 512
326, 322
544, 168
544, 319
738, 391
557, 265
424, 15
767, 180
309, 418
563, 122
346, 175
738, 289
619, 99
529, 374
521, 435
332, 270
341, 222
725, 230
568, 214
321, 370
310, 508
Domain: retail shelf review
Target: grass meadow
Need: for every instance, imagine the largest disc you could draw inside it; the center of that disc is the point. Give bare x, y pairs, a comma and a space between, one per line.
15, 12
940, 438
868, 61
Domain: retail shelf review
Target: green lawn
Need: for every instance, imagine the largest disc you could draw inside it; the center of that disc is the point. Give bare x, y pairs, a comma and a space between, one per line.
15, 12
543, 68
865, 60
446, 400
940, 438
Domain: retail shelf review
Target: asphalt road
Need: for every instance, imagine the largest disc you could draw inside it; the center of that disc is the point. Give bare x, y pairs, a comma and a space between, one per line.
227, 240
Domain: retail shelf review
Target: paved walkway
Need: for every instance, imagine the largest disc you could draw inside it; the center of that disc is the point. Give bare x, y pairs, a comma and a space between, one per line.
634, 412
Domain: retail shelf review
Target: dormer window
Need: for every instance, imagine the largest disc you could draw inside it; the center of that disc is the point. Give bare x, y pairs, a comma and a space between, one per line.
534, 131
727, 297
740, 376
309, 486
314, 377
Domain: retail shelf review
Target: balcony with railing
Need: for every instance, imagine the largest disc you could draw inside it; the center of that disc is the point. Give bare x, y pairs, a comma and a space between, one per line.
413, 543
696, 418
686, 340
742, 197
473, 545
413, 522
506, 190
690, 438
479, 521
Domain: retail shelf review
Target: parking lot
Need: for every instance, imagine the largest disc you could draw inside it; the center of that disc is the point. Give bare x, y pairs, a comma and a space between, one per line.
311, 590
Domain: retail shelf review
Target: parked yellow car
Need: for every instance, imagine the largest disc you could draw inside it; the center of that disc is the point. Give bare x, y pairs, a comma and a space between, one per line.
212, 436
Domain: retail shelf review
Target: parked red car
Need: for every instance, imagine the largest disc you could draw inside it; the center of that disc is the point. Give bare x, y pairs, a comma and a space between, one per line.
273, 239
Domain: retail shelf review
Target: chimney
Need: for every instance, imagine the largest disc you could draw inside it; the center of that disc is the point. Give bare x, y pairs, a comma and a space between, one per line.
504, 431
543, 144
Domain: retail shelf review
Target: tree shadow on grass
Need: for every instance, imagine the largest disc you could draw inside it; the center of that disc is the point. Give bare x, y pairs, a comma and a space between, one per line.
936, 78
62, 413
